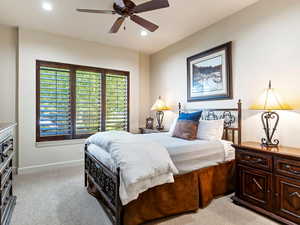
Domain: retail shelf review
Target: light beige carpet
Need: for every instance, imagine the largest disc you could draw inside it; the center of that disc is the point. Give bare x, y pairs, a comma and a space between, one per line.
57, 197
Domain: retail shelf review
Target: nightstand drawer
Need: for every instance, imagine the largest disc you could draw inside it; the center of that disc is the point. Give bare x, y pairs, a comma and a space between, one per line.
253, 159
288, 167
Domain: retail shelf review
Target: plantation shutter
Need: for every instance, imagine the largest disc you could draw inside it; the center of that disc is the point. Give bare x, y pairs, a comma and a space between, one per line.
75, 102
88, 102
116, 102
54, 102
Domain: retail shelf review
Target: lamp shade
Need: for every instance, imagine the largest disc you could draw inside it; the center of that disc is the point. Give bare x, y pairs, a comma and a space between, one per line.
160, 105
270, 100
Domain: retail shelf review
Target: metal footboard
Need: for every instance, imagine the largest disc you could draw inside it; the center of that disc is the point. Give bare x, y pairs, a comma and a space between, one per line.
107, 184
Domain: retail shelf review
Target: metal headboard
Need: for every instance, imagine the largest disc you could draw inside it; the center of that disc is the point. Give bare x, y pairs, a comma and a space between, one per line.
232, 120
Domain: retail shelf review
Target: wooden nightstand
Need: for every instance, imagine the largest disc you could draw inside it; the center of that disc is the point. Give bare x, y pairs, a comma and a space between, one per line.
150, 131
268, 181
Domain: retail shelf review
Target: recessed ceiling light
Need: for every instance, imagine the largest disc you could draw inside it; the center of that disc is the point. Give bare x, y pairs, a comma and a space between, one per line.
144, 33
47, 6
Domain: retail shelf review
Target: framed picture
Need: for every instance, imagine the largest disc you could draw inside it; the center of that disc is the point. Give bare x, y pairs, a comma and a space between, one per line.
210, 74
149, 123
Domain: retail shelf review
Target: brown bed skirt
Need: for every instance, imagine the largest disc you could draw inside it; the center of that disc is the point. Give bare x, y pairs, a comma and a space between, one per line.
188, 193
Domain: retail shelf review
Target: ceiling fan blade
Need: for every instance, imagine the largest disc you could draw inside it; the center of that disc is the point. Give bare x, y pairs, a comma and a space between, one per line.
96, 11
144, 23
115, 28
151, 5
120, 3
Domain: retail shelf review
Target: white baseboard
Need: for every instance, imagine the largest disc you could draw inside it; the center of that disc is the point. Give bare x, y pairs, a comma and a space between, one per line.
44, 167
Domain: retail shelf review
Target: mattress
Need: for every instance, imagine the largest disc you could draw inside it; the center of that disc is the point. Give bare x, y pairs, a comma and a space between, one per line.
186, 155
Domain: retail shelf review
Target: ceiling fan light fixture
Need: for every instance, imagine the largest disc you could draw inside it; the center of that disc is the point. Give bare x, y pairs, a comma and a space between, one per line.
128, 9
47, 6
144, 33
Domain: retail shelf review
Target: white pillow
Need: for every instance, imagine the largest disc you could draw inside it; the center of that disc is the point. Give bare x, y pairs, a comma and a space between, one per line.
173, 125
210, 129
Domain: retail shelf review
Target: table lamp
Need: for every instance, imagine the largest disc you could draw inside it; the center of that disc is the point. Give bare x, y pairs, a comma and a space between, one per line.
268, 102
160, 106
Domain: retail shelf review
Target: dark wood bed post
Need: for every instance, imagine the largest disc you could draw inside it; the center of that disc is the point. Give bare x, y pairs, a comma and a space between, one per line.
84, 157
119, 216
240, 121
179, 107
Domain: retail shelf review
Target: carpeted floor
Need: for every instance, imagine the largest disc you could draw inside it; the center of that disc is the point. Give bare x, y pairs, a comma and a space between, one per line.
57, 197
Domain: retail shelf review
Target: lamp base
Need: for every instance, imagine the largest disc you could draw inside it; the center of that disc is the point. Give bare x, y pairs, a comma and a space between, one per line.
159, 117
269, 145
266, 118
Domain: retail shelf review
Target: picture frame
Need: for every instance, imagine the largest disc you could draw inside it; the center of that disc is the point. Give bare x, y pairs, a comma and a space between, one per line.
149, 123
209, 74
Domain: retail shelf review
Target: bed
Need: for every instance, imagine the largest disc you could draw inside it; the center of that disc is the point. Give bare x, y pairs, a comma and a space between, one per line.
204, 173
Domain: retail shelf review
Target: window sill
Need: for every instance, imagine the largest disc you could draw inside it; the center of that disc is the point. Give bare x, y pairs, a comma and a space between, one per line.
59, 143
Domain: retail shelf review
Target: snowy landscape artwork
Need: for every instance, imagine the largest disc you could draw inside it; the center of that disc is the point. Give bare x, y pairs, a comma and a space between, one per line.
209, 75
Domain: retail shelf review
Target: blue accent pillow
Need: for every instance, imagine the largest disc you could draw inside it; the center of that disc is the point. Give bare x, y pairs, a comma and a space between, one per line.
190, 116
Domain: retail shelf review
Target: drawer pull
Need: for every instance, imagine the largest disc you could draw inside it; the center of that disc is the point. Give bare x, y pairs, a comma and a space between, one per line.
257, 184
250, 160
289, 168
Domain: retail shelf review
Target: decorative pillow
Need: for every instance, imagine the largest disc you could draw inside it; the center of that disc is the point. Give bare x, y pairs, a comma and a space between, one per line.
173, 125
187, 125
186, 129
210, 129
190, 116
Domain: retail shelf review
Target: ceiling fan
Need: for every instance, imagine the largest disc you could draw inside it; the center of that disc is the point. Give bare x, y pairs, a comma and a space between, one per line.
127, 8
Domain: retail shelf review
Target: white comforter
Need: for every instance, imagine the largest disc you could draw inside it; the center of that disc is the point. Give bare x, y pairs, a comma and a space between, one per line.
143, 163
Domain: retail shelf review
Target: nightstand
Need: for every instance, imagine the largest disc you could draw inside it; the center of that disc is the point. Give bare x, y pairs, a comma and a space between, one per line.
268, 181
150, 131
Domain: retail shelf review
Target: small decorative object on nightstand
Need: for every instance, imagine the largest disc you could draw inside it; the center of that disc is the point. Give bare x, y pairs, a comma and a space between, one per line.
150, 131
160, 106
268, 181
149, 123
269, 102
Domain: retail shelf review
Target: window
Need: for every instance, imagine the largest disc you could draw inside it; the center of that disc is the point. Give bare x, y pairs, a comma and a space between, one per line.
116, 102
76, 101
88, 102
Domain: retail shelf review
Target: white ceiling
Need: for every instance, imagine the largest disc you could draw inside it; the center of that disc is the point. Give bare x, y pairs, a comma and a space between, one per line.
183, 18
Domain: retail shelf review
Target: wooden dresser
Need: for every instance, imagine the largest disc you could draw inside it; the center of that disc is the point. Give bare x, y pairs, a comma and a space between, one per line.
268, 181
7, 199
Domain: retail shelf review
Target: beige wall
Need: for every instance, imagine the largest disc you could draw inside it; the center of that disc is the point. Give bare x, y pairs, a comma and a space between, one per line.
8, 73
43, 46
265, 46
145, 89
